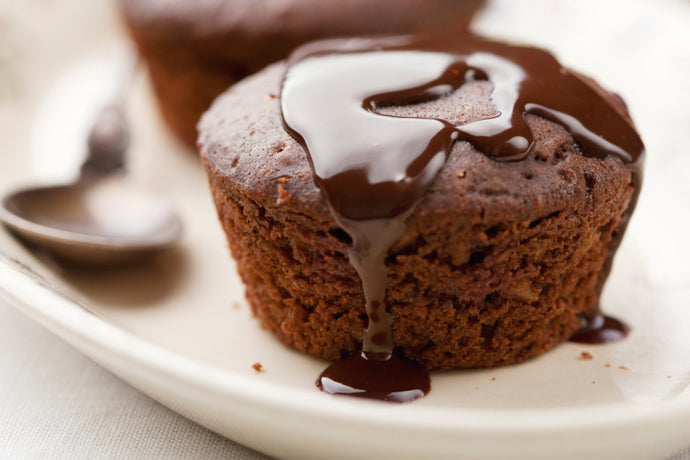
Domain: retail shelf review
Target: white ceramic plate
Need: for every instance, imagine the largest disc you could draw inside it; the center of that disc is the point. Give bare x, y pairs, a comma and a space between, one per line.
177, 327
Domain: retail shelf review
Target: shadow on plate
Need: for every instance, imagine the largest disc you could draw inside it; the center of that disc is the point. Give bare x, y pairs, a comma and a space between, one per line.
144, 282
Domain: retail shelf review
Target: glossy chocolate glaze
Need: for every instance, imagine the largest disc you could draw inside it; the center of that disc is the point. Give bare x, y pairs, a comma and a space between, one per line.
373, 168
599, 328
393, 379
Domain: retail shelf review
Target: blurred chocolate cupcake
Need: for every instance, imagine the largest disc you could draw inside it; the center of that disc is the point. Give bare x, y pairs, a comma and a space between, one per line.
195, 49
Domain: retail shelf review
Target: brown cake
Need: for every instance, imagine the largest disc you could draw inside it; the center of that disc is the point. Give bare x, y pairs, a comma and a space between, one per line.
195, 49
498, 261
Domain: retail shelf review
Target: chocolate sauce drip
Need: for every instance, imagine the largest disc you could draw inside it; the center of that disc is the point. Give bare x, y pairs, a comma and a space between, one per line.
599, 329
393, 379
374, 168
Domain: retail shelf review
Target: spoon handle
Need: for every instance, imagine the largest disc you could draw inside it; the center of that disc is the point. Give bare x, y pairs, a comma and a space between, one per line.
107, 143
109, 136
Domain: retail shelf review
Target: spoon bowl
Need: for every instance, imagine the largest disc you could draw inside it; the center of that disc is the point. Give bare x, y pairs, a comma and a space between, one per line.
95, 221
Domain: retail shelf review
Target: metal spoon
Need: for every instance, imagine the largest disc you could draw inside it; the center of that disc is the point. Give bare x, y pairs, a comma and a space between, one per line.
103, 218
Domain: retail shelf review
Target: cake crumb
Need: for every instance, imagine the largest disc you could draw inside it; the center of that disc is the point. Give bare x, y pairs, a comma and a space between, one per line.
258, 367
587, 356
607, 365
283, 196
271, 96
668, 376
493, 379
593, 382
623, 368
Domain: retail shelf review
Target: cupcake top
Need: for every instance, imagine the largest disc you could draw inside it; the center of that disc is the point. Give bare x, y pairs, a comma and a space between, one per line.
202, 18
266, 30
252, 148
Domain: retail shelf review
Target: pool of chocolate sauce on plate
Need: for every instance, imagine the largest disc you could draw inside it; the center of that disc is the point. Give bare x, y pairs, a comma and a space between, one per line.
373, 168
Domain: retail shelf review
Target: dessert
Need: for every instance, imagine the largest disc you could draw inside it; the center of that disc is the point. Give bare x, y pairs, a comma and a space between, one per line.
458, 200
194, 50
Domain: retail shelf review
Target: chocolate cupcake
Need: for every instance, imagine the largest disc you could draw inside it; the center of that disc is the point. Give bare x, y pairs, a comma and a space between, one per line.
196, 49
484, 186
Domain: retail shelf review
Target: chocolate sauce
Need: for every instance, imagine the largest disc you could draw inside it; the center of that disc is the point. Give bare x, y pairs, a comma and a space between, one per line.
599, 328
374, 168
393, 379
